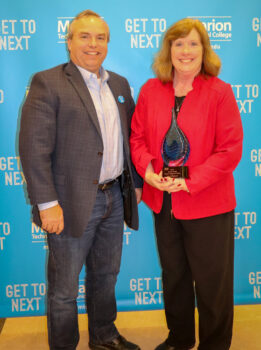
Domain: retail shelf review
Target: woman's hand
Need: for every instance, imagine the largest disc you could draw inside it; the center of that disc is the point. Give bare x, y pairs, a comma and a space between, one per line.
156, 180
164, 183
176, 185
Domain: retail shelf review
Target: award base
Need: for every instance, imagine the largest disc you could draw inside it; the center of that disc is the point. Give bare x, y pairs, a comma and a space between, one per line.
175, 171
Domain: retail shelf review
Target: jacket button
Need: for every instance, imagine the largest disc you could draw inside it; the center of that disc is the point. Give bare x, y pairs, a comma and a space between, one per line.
95, 182
100, 153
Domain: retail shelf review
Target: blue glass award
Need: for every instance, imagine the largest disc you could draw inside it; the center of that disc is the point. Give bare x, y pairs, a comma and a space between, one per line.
175, 151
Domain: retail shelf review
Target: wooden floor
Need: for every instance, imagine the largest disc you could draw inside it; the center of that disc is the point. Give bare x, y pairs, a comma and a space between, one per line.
145, 328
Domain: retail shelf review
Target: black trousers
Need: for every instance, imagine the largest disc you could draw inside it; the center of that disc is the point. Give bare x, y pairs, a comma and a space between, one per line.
197, 259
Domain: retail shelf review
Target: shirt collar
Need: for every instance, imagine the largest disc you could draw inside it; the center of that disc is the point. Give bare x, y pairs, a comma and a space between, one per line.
90, 77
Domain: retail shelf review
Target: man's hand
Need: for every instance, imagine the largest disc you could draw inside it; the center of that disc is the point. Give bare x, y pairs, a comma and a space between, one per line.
52, 219
138, 192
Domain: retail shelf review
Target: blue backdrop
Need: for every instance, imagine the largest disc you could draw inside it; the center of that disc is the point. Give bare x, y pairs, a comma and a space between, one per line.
32, 38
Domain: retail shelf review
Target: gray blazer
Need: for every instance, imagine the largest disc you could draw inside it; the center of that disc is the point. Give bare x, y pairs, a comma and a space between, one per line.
61, 145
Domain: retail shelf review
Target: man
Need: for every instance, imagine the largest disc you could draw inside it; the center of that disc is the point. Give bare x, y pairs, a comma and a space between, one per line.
74, 149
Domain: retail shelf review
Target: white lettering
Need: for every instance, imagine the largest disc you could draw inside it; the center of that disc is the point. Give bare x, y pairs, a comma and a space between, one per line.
2, 243
255, 155
63, 26
14, 178
257, 293
237, 87
255, 278
36, 229
159, 24
242, 232
147, 298
218, 26
137, 25
250, 217
12, 42
236, 218
256, 24
16, 290
25, 304
5, 28
144, 41
245, 106
127, 234
28, 25
5, 228
252, 90
258, 170
39, 289
258, 41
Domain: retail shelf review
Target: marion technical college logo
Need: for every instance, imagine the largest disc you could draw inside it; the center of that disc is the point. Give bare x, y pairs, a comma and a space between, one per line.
39, 236
62, 28
219, 29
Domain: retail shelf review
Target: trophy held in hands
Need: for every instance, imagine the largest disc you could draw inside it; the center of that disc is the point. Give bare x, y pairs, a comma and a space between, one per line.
175, 151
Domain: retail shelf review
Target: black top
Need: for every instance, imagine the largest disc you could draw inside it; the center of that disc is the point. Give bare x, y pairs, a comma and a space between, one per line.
178, 103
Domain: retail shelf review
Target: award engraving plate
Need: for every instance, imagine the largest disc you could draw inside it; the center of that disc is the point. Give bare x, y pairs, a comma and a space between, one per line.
175, 171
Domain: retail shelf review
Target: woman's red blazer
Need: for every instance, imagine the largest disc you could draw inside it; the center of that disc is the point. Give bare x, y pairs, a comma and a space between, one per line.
210, 119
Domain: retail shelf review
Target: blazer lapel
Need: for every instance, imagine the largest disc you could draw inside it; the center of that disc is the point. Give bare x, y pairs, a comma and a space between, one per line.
74, 76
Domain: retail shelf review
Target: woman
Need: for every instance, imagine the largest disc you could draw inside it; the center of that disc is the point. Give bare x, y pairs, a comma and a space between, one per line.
194, 216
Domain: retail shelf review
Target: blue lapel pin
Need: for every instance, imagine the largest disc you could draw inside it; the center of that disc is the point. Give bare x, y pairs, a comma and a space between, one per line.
121, 99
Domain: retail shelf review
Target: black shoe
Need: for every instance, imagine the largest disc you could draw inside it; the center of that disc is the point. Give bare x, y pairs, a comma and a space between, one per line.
165, 346
119, 343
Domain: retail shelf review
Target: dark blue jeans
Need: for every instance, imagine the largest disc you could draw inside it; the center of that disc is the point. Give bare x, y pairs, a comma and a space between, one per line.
100, 248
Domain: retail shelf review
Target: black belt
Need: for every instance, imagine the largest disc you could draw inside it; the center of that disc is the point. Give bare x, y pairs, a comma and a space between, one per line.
107, 185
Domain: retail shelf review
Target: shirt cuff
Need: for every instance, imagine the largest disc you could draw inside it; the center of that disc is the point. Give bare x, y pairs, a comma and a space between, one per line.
47, 205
